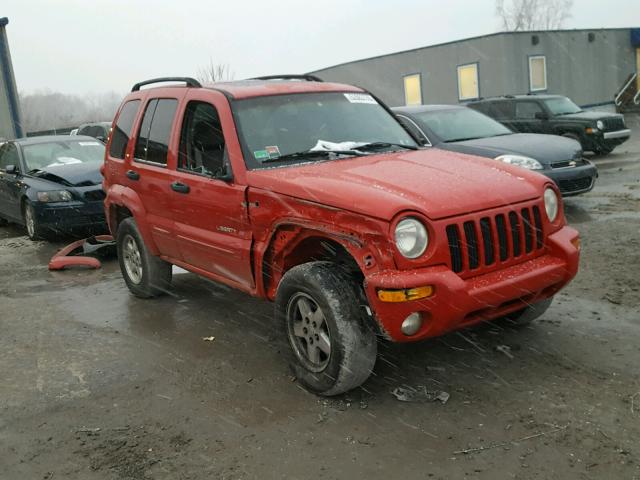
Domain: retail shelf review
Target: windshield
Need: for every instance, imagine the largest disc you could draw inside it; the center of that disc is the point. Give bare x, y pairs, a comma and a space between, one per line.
58, 154
276, 126
561, 106
460, 124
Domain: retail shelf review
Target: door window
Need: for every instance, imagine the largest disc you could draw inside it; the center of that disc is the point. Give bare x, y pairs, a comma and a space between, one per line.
122, 130
153, 139
9, 156
502, 110
527, 110
202, 146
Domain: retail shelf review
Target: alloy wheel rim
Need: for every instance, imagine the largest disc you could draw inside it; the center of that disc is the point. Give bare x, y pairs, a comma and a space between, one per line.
308, 332
132, 259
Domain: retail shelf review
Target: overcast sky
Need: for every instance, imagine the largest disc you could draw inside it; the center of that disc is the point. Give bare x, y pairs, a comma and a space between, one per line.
80, 46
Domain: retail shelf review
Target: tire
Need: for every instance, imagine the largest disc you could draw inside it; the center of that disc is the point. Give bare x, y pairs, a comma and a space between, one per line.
34, 229
145, 274
603, 150
524, 317
318, 304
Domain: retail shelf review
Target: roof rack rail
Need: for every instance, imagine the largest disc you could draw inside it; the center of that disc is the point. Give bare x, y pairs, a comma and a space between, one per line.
307, 77
191, 82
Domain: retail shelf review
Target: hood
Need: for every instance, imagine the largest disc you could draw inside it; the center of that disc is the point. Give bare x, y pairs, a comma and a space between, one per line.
590, 115
434, 182
73, 175
546, 149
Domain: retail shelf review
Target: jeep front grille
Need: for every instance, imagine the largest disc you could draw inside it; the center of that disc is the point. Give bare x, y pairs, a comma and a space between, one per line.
613, 124
502, 237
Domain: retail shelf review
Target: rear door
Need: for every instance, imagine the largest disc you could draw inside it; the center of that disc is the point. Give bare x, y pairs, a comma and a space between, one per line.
148, 173
10, 183
210, 214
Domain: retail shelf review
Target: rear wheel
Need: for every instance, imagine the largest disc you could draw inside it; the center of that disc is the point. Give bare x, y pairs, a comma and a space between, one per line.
524, 317
145, 274
332, 345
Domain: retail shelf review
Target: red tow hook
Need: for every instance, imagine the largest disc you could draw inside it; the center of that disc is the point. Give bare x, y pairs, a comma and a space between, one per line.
67, 258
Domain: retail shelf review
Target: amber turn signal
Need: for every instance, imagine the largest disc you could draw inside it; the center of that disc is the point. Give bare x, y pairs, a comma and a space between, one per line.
576, 243
396, 296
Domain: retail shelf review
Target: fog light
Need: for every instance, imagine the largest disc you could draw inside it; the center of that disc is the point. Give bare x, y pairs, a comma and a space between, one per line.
411, 324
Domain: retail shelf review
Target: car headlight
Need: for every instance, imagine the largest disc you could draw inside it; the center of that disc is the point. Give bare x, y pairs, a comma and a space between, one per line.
521, 161
600, 125
411, 237
55, 196
551, 204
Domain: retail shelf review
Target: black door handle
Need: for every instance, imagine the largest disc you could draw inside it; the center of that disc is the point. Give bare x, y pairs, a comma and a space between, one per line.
133, 175
180, 187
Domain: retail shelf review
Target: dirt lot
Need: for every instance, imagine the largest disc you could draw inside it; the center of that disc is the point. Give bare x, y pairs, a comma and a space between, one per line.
96, 384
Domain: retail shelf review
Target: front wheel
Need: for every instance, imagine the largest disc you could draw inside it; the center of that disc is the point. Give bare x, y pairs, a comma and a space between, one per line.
332, 345
34, 229
602, 150
145, 274
524, 317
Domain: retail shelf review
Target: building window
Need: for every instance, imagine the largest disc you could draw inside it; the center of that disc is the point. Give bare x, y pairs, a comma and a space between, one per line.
468, 82
537, 73
412, 90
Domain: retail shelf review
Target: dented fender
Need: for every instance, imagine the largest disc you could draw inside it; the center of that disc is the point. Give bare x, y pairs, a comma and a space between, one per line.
121, 196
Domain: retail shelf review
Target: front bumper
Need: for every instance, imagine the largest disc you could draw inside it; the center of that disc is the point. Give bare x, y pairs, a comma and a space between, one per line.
573, 180
609, 140
68, 216
458, 303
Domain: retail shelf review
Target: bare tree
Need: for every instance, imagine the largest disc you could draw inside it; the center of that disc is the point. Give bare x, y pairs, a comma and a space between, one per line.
215, 72
524, 15
47, 110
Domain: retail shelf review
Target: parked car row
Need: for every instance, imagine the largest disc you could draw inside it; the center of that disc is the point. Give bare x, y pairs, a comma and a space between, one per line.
357, 221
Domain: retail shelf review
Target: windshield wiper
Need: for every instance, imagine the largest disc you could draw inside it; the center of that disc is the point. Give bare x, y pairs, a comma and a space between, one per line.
378, 145
461, 139
33, 171
312, 154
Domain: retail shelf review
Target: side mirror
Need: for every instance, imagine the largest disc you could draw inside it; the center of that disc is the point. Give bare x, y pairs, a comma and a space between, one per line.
542, 116
224, 173
11, 170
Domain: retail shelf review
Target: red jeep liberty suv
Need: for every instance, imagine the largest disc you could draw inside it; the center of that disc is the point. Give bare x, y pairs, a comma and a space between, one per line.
312, 195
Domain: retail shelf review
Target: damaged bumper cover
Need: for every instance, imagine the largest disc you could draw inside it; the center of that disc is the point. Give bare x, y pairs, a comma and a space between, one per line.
457, 302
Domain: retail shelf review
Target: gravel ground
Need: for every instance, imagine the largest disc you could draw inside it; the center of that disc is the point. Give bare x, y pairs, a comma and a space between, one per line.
96, 384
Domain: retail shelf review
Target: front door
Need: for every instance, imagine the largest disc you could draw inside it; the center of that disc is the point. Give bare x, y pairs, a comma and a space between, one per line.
211, 219
10, 183
528, 117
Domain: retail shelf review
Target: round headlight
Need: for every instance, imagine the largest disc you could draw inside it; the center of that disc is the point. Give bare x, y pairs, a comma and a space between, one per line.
600, 125
551, 204
411, 237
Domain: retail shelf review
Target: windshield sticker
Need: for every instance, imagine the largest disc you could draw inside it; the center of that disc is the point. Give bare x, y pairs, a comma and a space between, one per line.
86, 144
360, 98
273, 151
261, 154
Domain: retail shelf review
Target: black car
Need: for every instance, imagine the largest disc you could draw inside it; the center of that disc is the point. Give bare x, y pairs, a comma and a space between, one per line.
598, 132
99, 130
52, 184
460, 129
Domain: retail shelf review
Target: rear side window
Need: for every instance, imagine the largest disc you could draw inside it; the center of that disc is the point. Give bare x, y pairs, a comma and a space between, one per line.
153, 140
501, 110
122, 130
